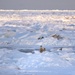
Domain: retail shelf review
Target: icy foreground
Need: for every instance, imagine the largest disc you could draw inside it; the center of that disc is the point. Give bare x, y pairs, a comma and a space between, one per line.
23, 31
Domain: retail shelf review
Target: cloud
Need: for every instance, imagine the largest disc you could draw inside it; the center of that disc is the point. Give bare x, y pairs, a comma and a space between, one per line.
37, 4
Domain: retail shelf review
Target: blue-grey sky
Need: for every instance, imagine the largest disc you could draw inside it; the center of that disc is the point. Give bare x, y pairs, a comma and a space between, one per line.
37, 4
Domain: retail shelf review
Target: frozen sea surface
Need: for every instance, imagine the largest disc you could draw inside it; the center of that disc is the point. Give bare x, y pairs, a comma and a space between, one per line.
22, 32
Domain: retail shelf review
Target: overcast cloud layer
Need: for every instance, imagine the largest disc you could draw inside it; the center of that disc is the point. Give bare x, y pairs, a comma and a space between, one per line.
37, 4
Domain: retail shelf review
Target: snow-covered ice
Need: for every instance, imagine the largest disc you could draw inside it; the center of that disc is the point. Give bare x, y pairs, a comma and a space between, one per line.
22, 32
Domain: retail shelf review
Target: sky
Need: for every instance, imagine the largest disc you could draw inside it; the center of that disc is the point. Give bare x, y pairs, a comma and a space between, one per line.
38, 4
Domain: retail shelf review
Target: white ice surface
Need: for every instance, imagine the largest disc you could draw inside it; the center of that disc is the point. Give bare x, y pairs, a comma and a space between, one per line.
26, 30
